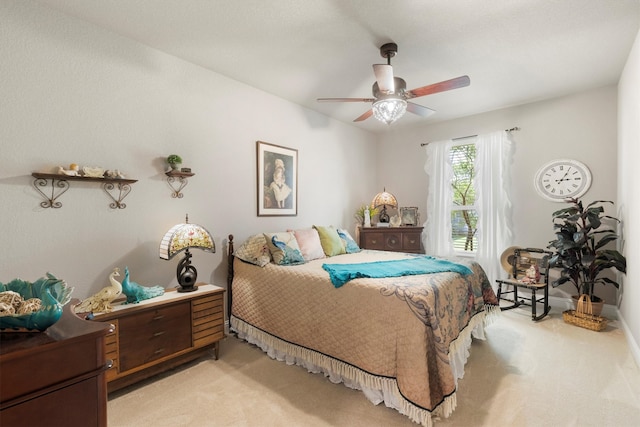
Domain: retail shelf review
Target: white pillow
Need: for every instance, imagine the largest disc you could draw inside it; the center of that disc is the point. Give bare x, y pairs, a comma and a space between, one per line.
309, 242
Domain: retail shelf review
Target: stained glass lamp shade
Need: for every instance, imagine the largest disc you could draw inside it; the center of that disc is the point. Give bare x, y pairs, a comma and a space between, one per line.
180, 238
384, 199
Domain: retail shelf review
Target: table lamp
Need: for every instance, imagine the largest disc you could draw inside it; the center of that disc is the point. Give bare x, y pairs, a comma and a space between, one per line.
384, 199
182, 237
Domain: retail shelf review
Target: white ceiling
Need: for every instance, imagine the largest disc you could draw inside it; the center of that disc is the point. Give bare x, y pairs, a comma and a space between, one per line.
514, 51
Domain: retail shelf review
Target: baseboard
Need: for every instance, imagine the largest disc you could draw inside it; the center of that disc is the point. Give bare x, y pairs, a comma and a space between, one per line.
633, 345
609, 311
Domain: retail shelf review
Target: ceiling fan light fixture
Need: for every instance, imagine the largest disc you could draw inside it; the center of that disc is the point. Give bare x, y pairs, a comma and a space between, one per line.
389, 110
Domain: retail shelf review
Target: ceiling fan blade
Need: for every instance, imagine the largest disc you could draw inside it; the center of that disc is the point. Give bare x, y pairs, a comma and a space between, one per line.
365, 116
384, 77
345, 99
438, 87
420, 110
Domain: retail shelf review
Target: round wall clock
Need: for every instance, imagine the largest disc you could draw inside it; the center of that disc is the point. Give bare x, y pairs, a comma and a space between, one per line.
562, 179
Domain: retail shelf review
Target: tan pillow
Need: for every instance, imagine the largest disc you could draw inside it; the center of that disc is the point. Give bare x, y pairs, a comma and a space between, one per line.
254, 250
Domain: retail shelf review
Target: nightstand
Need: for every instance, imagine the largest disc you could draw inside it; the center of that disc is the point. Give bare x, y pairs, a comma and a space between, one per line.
395, 239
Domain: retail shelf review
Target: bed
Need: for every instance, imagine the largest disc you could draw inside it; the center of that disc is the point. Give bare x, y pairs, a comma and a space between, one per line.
402, 340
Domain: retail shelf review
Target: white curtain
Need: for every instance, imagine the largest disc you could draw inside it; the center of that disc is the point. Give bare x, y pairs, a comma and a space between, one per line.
437, 228
492, 183
494, 153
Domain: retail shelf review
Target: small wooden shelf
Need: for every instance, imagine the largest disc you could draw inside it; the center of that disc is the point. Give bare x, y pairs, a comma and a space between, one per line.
60, 184
177, 181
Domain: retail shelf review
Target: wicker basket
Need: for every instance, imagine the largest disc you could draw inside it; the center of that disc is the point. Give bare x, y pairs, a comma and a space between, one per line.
583, 315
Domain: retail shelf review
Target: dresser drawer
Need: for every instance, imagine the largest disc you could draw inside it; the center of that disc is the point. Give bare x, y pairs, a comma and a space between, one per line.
411, 241
207, 320
397, 239
393, 242
373, 241
111, 344
154, 334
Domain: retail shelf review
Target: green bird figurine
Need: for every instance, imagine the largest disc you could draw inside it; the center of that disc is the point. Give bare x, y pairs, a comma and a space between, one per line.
136, 292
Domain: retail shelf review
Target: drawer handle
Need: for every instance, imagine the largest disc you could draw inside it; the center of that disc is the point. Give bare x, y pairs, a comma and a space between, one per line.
412, 241
374, 242
157, 334
160, 350
158, 317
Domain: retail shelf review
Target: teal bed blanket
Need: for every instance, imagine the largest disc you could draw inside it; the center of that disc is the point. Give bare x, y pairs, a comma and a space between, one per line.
342, 273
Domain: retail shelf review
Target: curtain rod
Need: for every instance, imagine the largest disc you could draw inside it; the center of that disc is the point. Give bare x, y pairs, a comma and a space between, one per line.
470, 136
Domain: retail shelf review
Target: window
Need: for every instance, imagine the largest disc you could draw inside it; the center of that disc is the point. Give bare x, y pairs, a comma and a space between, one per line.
468, 203
464, 215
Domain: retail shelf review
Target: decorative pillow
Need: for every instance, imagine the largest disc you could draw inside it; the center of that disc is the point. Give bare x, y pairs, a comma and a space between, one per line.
331, 242
254, 250
309, 241
350, 245
284, 248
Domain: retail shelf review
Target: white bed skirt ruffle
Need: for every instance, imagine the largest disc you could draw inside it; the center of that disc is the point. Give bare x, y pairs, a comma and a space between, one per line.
376, 389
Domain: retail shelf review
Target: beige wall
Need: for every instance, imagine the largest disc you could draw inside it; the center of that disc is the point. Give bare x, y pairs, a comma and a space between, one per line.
628, 192
580, 126
72, 92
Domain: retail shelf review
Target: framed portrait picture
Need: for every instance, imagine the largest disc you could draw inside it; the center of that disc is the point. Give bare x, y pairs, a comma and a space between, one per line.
277, 180
409, 216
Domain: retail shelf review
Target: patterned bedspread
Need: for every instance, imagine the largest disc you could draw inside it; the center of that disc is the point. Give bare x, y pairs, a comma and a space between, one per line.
390, 335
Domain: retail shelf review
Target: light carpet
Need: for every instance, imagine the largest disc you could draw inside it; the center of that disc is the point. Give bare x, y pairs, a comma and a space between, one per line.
532, 374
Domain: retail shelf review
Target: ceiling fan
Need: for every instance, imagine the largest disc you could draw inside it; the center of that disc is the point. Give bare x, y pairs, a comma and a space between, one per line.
390, 95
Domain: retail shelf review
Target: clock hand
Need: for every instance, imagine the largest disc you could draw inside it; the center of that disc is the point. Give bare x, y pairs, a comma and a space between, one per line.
563, 177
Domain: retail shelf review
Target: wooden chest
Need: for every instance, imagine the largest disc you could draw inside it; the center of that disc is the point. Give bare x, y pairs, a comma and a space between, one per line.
396, 239
163, 332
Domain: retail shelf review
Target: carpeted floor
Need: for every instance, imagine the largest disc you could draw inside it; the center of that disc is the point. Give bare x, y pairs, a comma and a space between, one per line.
525, 374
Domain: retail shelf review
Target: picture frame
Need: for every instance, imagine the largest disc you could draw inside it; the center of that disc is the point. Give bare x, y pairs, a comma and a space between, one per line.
277, 186
409, 216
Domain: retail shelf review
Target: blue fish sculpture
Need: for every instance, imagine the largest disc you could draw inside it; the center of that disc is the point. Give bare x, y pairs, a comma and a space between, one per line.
136, 292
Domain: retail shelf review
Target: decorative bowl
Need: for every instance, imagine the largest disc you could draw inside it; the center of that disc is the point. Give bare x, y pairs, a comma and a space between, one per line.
93, 172
54, 294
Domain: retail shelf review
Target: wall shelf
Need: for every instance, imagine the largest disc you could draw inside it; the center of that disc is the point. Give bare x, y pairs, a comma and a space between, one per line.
116, 188
177, 181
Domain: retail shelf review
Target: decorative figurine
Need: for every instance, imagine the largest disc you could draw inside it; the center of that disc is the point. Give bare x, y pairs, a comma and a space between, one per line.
367, 217
135, 292
93, 172
72, 171
114, 174
101, 301
532, 275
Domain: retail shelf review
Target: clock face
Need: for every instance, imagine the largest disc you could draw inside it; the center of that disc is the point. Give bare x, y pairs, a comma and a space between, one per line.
562, 179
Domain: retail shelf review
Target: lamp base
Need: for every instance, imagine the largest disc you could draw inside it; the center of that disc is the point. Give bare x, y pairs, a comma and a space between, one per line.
186, 274
187, 288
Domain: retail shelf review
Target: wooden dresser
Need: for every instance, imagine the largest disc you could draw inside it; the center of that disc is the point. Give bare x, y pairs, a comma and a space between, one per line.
163, 332
55, 377
395, 239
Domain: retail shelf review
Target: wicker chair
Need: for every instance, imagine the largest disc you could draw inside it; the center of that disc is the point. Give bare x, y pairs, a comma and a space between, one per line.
528, 268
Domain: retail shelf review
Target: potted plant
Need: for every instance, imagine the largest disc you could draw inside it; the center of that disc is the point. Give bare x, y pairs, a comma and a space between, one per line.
582, 233
174, 161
